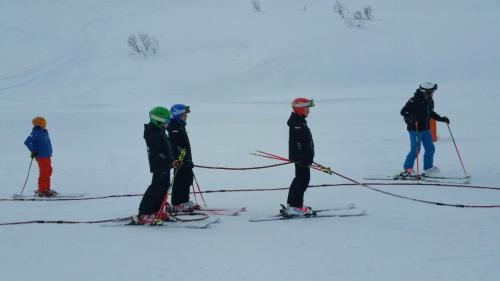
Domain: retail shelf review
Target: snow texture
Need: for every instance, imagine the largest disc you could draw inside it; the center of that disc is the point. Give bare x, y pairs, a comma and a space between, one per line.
239, 69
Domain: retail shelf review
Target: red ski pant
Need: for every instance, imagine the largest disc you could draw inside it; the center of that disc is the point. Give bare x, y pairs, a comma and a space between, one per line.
45, 166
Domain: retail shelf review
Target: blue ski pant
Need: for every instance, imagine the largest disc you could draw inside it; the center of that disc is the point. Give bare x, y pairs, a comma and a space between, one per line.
424, 138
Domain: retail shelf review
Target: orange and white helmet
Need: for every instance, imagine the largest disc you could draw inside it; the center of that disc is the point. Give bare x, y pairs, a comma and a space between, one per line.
299, 105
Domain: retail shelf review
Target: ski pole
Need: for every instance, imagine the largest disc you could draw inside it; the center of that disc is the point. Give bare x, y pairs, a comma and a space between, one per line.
315, 166
416, 150
458, 153
27, 176
199, 190
322, 168
277, 157
194, 193
272, 155
164, 202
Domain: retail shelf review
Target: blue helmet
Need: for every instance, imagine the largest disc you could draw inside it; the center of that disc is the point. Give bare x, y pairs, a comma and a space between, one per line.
178, 109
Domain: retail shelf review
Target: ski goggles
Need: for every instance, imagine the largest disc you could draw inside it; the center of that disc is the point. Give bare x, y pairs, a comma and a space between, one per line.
177, 111
159, 119
309, 103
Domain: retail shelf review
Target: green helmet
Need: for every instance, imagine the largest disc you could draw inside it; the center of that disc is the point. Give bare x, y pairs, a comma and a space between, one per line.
159, 116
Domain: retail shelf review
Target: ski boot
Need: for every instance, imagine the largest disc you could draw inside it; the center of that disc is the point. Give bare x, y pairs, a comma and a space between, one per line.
408, 173
46, 193
145, 219
431, 171
290, 212
187, 207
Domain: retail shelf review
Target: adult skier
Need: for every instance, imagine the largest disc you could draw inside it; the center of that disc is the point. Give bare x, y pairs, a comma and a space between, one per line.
38, 142
417, 113
184, 174
301, 151
160, 162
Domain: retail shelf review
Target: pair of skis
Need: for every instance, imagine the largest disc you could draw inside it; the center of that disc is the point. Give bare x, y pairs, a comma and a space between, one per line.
198, 219
423, 178
338, 212
57, 196
201, 219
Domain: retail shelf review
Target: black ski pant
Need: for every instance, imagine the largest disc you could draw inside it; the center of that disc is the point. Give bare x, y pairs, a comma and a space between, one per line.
153, 197
182, 184
299, 185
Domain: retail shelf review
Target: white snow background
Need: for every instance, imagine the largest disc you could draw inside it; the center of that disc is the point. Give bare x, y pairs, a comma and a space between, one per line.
239, 70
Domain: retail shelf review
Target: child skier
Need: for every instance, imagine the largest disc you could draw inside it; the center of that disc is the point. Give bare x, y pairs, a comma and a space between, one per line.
38, 142
417, 113
184, 174
160, 163
301, 151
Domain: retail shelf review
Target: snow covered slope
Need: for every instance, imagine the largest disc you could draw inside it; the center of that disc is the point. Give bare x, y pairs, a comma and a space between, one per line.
239, 70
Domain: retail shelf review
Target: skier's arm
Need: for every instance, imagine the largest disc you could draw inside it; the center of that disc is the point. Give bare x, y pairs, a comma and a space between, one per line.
157, 147
176, 140
437, 117
30, 141
299, 138
408, 111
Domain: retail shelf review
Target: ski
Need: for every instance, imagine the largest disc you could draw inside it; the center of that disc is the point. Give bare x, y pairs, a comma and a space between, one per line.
349, 206
216, 211
202, 224
438, 179
57, 196
113, 220
318, 215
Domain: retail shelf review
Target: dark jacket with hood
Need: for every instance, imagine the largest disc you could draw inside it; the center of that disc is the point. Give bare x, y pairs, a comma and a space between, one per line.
421, 110
159, 151
180, 140
300, 142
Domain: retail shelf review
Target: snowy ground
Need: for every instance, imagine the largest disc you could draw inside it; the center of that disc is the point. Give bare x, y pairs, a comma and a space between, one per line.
239, 70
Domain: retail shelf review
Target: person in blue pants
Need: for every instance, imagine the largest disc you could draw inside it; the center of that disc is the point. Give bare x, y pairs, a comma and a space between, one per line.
417, 113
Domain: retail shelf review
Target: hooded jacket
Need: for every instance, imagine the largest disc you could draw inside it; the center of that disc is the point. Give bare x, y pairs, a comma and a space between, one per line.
159, 151
300, 142
180, 140
421, 110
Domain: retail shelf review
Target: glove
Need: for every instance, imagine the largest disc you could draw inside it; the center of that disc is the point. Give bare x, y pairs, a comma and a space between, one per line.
32, 155
445, 120
176, 164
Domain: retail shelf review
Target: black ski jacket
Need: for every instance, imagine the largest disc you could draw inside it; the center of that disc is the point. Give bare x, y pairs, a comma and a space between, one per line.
421, 110
180, 140
159, 151
300, 142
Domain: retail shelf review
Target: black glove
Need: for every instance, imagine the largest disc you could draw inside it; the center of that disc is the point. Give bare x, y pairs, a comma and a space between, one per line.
32, 155
445, 120
176, 164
